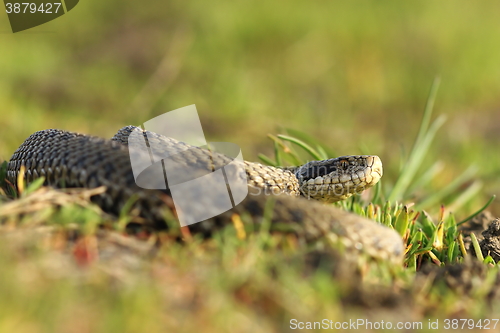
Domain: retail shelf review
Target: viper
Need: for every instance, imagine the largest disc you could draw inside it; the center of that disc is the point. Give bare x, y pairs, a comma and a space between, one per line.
299, 196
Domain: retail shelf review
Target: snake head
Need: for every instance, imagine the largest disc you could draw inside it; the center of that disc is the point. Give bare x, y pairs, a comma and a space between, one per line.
339, 178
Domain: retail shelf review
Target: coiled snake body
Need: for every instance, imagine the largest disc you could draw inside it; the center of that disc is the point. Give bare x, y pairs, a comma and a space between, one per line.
76, 160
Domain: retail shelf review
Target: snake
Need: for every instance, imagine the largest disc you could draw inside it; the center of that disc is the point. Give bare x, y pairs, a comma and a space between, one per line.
296, 200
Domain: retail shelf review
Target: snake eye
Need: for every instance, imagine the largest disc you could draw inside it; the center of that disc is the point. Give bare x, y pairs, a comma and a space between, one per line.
344, 164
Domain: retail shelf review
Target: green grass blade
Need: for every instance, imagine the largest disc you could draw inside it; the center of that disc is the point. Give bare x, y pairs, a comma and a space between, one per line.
277, 154
303, 145
288, 152
426, 177
34, 185
470, 193
478, 212
429, 106
267, 160
322, 153
477, 248
376, 195
415, 160
402, 221
420, 147
438, 196
327, 152
451, 253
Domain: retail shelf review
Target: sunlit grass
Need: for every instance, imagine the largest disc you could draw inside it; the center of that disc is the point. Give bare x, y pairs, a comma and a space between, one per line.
344, 73
428, 238
265, 278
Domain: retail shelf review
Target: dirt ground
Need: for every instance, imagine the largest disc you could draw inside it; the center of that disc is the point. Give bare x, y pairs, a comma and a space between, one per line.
123, 258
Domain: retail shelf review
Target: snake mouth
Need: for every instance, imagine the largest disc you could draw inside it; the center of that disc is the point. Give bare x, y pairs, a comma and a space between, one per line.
375, 165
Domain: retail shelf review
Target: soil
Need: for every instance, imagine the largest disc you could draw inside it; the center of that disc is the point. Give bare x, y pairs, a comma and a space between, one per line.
486, 228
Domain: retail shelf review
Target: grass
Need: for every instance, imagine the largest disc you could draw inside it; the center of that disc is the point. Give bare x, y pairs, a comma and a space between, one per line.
351, 73
65, 271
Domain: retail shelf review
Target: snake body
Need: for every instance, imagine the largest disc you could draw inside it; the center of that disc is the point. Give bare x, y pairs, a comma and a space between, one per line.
68, 159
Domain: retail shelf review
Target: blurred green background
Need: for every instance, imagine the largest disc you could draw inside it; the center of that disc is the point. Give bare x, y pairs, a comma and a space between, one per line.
353, 74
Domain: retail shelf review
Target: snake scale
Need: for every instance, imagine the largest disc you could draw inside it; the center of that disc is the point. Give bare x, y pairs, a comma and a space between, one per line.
69, 159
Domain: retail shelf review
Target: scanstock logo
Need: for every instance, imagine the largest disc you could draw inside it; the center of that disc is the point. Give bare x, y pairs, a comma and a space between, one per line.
201, 182
31, 13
